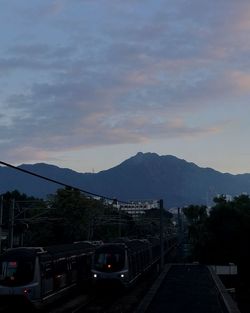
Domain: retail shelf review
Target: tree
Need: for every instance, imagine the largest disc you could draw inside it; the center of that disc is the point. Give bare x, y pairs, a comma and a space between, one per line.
19, 210
226, 234
195, 213
70, 207
196, 216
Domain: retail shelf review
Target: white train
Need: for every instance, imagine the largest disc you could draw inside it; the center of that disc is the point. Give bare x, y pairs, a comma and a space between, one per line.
125, 261
42, 275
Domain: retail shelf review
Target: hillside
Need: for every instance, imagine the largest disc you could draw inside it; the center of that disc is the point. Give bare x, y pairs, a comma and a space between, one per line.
143, 176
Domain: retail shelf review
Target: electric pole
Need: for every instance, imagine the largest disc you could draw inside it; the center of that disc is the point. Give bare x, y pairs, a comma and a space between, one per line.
11, 223
1, 222
161, 236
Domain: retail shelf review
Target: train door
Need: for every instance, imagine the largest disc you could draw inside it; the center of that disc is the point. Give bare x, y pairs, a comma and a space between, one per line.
83, 266
131, 267
72, 269
60, 273
47, 284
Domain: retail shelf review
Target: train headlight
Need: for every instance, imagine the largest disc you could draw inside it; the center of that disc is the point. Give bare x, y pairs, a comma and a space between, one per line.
26, 292
122, 275
95, 275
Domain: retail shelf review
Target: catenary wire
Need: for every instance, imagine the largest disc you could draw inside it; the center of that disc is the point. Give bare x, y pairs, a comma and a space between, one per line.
60, 183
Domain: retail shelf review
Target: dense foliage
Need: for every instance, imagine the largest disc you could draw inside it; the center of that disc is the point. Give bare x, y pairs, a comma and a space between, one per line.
68, 216
222, 236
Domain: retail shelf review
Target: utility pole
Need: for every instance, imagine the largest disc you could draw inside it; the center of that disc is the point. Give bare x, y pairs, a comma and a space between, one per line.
180, 234
179, 225
115, 202
1, 222
161, 236
11, 223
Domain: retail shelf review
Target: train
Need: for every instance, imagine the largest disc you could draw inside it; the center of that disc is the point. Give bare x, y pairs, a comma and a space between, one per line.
41, 275
124, 261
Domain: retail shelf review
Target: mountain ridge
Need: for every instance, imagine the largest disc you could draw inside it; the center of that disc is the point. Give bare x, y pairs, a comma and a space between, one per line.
142, 176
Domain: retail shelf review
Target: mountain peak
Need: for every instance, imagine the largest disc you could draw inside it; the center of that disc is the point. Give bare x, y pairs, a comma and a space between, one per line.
152, 157
143, 155
143, 176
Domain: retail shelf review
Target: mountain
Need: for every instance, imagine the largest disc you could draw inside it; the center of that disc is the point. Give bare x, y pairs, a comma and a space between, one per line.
143, 176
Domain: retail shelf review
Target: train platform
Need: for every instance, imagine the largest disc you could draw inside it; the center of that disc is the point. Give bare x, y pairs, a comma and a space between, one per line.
187, 288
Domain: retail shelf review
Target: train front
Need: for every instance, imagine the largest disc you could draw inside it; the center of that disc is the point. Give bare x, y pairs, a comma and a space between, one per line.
17, 276
110, 265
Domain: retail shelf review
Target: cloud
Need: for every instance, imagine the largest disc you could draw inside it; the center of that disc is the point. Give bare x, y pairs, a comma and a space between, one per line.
64, 112
41, 50
45, 9
240, 81
91, 73
35, 57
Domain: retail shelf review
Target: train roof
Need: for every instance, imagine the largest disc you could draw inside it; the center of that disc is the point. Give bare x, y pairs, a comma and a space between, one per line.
63, 249
78, 247
134, 244
22, 252
137, 244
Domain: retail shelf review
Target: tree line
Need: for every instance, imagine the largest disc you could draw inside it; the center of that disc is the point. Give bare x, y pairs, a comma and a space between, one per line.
68, 216
221, 235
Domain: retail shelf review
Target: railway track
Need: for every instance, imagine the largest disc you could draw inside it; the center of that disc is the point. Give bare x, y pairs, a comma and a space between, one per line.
116, 300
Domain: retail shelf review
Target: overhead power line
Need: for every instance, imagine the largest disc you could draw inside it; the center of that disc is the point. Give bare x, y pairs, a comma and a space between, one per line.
58, 182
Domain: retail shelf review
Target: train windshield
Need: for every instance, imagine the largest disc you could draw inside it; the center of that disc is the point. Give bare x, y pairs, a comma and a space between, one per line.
16, 272
109, 261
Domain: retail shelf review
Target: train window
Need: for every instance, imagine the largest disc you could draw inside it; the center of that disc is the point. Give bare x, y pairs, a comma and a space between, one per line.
47, 271
60, 266
16, 273
73, 263
109, 261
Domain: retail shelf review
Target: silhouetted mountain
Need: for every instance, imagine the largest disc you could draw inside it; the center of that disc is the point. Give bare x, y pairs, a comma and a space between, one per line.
143, 176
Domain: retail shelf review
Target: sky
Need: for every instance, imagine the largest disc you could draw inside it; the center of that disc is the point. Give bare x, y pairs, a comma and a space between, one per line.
86, 84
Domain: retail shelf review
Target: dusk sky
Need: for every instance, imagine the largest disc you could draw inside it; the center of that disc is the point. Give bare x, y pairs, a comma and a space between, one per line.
86, 84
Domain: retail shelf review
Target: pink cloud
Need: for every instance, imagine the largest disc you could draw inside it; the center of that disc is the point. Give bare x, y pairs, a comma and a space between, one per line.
241, 81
